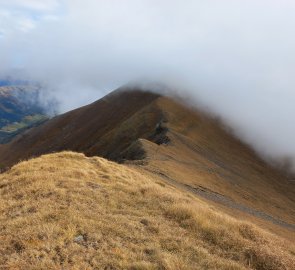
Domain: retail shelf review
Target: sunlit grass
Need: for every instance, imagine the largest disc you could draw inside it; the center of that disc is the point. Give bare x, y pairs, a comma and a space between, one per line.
67, 211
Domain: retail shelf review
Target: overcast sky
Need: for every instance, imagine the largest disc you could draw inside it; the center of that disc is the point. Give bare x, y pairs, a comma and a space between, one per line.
234, 56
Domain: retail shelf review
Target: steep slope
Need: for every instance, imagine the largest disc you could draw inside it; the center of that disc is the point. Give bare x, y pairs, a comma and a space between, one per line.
181, 145
201, 155
67, 211
96, 129
19, 110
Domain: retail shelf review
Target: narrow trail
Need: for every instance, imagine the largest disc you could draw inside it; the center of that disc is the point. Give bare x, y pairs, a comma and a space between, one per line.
226, 201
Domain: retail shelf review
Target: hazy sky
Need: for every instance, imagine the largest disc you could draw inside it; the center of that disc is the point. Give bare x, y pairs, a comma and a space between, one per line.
234, 56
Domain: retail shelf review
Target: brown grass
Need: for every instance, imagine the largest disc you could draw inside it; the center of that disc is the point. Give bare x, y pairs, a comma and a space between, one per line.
67, 211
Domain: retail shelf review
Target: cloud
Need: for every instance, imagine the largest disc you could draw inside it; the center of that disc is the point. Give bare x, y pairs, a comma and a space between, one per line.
234, 56
44, 5
23, 15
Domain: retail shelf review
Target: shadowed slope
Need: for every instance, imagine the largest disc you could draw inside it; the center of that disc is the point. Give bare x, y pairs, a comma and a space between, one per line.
95, 129
67, 211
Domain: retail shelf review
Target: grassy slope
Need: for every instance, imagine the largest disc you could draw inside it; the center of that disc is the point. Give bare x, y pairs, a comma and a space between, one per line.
67, 211
27, 121
200, 153
88, 129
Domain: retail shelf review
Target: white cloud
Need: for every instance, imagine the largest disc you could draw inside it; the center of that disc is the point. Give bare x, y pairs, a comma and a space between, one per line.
37, 5
235, 56
10, 25
23, 15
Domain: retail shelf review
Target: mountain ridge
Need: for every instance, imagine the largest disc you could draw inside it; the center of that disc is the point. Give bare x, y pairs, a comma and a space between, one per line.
162, 135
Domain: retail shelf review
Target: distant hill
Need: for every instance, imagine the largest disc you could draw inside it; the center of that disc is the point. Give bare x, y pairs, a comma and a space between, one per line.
19, 109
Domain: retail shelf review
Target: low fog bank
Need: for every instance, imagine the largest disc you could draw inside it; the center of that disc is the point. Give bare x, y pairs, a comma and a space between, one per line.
254, 120
234, 58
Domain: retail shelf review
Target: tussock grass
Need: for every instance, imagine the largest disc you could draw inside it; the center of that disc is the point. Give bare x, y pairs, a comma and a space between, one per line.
67, 211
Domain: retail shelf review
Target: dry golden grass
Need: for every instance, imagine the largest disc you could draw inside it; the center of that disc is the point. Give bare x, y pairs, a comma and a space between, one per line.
67, 211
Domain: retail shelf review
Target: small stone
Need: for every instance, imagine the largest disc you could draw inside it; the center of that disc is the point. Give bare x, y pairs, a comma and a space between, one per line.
79, 239
144, 222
